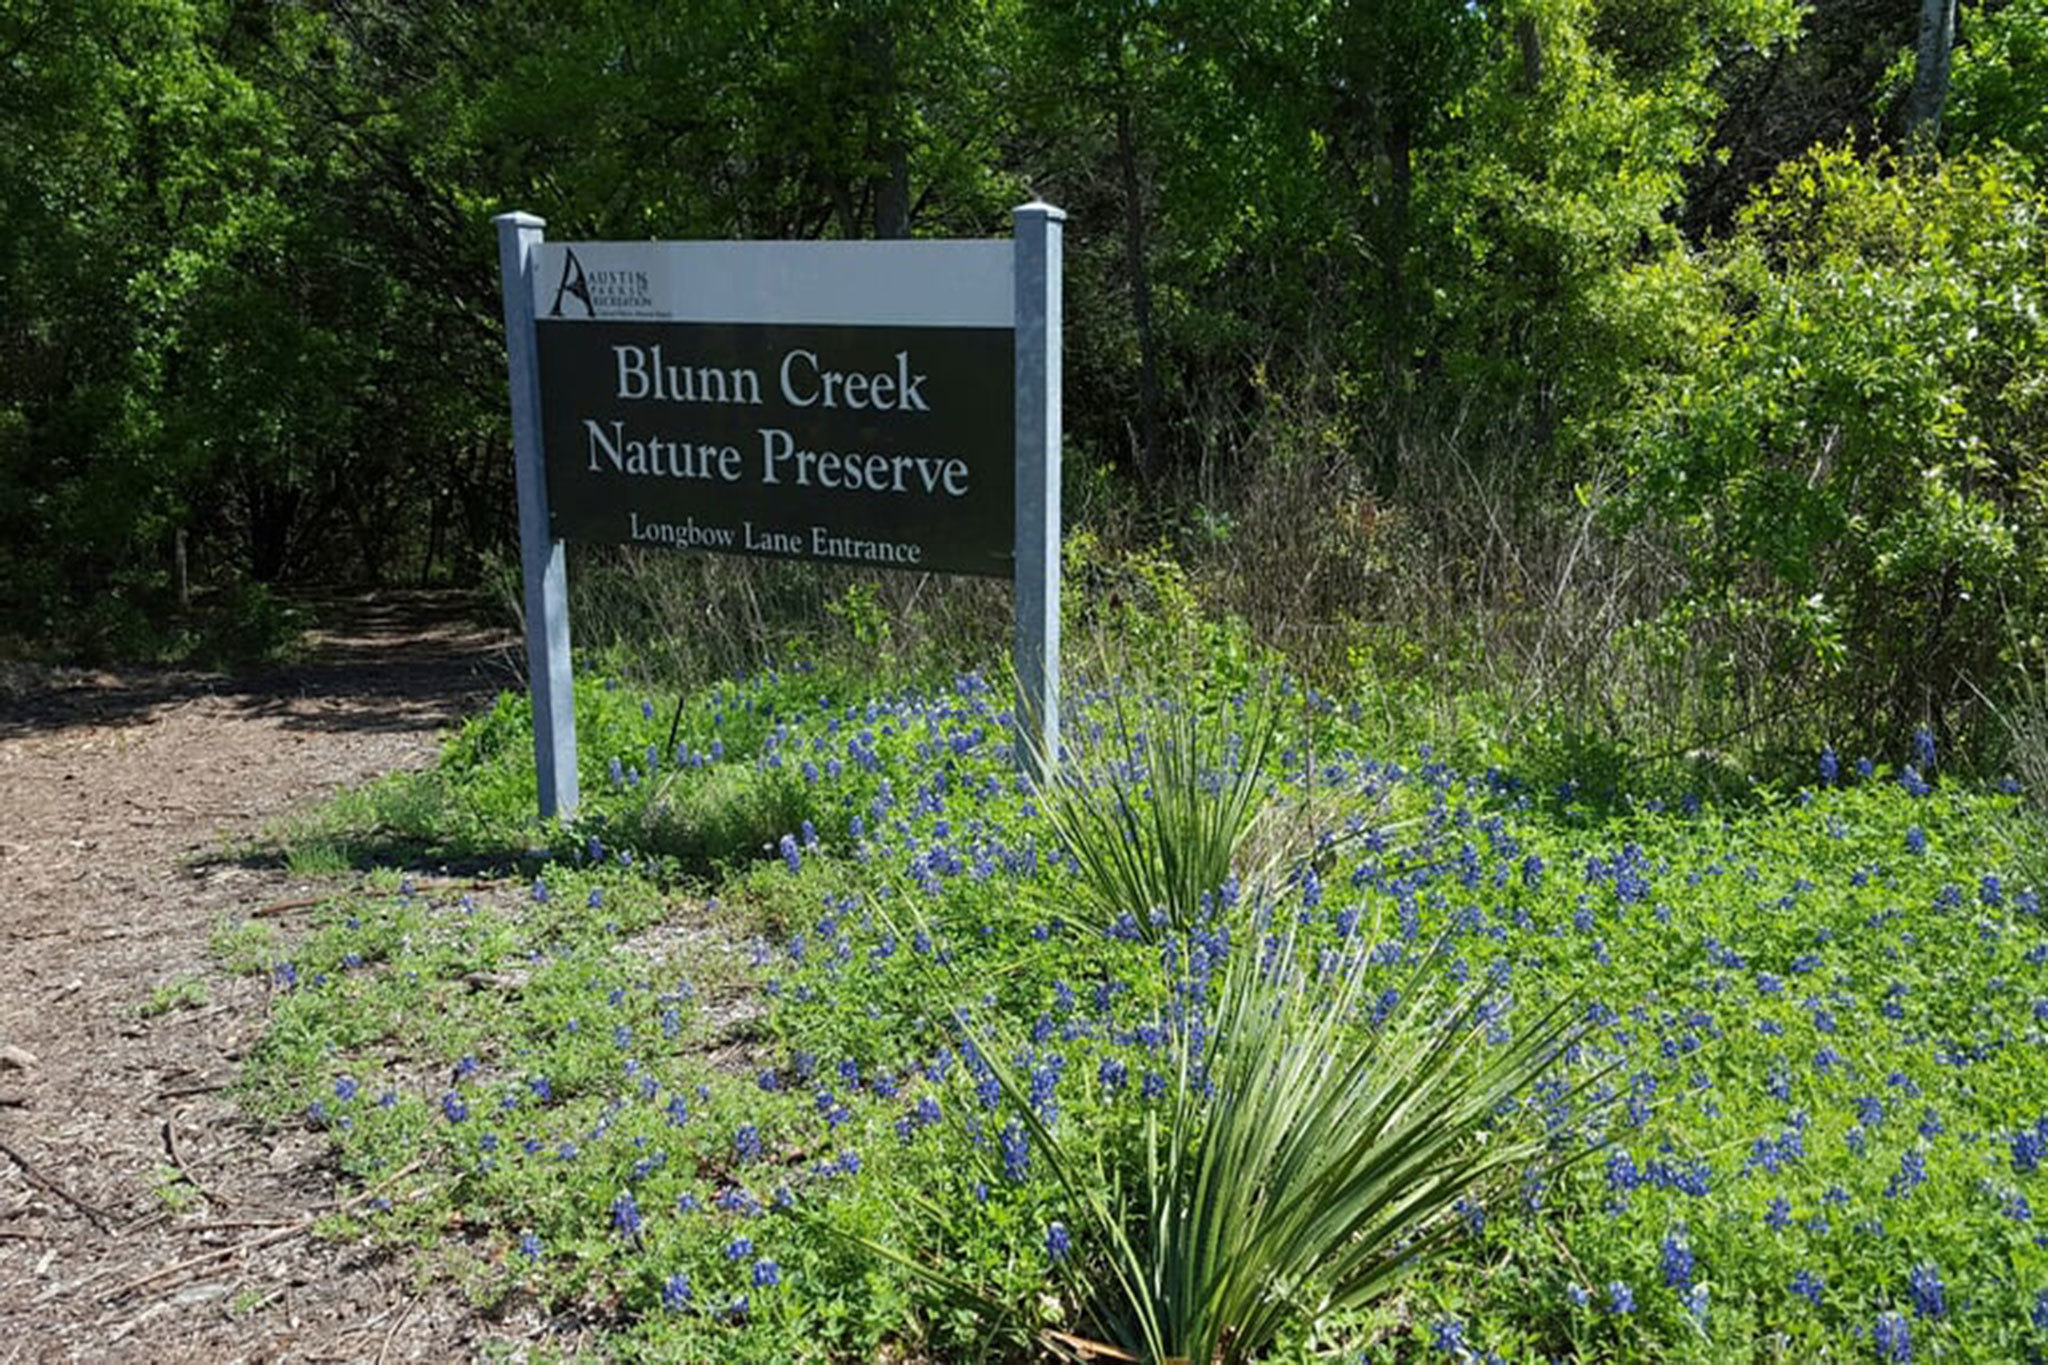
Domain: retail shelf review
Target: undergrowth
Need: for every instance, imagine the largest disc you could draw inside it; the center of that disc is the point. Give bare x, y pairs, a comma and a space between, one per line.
786, 1048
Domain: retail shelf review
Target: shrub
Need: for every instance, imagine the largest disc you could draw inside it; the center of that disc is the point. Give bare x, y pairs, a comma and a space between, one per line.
1852, 458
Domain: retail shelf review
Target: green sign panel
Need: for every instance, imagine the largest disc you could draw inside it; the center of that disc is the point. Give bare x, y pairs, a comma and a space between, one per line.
891, 446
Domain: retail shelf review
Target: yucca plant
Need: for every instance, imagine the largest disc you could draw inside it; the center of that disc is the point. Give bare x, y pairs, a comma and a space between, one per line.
1312, 1150
1165, 813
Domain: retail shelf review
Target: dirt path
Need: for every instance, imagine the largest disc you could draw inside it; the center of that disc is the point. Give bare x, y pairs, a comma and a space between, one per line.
124, 796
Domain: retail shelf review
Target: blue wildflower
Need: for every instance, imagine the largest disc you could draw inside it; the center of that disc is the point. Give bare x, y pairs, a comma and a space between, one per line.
1448, 1335
1057, 1243
1930, 1295
1016, 1150
1893, 1337
1677, 1259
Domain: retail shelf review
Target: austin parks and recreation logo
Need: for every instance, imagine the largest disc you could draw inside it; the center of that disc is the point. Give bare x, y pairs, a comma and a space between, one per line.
606, 293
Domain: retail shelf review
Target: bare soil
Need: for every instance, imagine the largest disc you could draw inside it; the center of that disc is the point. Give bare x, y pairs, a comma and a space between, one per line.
130, 798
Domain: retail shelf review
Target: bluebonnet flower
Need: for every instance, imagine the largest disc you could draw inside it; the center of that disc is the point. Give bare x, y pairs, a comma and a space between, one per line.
2027, 1150
455, 1107
791, 857
1830, 767
1930, 1295
345, 1088
739, 1249
1016, 1149
1448, 1335
530, 1247
2041, 1309
1677, 1259
1893, 1337
1916, 840
1923, 747
767, 1274
675, 1294
1620, 1298
1578, 1294
1057, 1243
625, 1215
1912, 1173
1778, 1216
1809, 1286
746, 1143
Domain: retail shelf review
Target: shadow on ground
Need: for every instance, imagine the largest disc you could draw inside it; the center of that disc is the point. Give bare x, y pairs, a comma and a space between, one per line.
388, 661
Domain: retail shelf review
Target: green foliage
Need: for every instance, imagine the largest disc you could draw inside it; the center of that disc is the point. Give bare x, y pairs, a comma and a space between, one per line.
1301, 1166
1165, 809
1852, 458
186, 992
2001, 68
1804, 1038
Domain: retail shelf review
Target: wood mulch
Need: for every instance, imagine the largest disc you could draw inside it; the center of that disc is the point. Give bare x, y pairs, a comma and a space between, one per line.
131, 800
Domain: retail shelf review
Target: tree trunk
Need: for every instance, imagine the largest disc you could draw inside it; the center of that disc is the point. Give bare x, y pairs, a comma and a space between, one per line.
1930, 71
1141, 287
892, 197
891, 189
1531, 42
1397, 147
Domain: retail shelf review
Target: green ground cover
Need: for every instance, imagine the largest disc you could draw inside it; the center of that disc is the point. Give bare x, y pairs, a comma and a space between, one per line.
1740, 1079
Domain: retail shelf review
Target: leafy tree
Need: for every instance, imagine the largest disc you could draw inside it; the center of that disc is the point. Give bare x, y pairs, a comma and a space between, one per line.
1999, 90
1853, 454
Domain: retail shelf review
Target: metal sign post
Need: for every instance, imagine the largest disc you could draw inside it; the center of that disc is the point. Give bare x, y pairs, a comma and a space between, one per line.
543, 564
1035, 647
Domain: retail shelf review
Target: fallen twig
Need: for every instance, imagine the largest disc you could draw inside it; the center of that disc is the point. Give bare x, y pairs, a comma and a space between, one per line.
28, 1168
392, 1335
257, 1243
286, 907
191, 1177
185, 1091
1086, 1349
